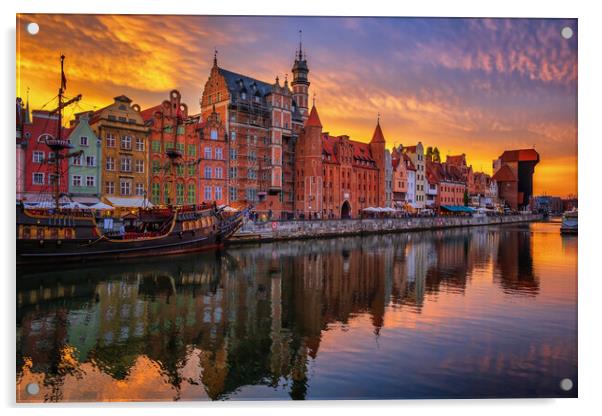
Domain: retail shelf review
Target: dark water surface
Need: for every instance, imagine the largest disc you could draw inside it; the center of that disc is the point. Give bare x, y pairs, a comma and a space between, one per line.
473, 312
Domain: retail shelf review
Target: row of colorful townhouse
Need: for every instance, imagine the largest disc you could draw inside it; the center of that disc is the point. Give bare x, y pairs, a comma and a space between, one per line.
253, 143
124, 156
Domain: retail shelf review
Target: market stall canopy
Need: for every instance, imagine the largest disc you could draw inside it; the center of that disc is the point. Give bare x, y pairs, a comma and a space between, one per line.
101, 205
457, 208
129, 202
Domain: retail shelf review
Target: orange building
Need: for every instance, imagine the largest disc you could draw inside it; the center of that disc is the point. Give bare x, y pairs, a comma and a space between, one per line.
449, 181
173, 152
337, 177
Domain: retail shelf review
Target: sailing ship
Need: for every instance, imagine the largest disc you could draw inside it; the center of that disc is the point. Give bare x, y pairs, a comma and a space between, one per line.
64, 232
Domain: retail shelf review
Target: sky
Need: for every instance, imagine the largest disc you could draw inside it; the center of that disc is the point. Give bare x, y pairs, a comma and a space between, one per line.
473, 86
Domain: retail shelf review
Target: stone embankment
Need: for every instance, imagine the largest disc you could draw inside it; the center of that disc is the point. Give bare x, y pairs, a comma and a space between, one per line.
305, 229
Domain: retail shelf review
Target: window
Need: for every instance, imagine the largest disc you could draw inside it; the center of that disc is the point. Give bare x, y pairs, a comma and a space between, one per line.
207, 193
90, 161
155, 193
139, 189
191, 197
191, 170
156, 166
125, 187
218, 153
110, 188
139, 166
232, 154
76, 180
218, 193
156, 146
233, 172
218, 174
213, 134
166, 193
90, 181
83, 141
208, 172
208, 153
110, 140
180, 170
191, 150
77, 160
140, 144
232, 192
233, 136
179, 193
180, 147
126, 142
126, 164
38, 157
110, 163
52, 179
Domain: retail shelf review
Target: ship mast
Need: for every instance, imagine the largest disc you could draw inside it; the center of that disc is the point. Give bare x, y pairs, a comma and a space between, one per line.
57, 144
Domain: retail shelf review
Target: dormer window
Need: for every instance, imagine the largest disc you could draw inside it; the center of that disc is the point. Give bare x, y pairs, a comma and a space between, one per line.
243, 95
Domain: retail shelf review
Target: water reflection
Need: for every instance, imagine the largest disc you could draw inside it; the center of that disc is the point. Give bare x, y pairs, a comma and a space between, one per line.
250, 322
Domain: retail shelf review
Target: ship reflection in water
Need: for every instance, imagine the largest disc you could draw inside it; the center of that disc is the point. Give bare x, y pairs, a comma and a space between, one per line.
480, 312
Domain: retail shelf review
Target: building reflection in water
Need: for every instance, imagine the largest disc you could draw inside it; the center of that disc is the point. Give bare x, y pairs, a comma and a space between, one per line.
207, 325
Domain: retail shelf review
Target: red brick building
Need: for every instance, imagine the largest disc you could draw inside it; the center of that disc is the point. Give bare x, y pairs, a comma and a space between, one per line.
262, 122
450, 183
337, 177
173, 152
40, 165
513, 171
214, 162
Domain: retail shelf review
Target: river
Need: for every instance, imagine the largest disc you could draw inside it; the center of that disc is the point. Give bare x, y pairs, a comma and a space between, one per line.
473, 312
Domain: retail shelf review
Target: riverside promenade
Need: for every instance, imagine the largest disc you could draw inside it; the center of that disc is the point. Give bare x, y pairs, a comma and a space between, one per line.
253, 232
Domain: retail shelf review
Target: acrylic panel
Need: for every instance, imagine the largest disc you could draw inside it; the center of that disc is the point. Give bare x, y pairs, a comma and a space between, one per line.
291, 208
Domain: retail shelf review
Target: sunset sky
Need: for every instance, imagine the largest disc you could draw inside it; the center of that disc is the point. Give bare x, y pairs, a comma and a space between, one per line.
474, 86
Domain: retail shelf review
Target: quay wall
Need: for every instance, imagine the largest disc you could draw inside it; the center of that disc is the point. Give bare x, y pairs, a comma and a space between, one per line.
305, 229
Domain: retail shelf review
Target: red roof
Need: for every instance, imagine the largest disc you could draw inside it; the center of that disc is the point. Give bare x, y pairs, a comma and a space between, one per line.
314, 119
328, 143
409, 163
520, 155
361, 151
378, 137
504, 174
409, 149
149, 113
458, 160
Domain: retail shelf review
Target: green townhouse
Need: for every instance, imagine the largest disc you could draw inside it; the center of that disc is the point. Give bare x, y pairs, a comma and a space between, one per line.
85, 169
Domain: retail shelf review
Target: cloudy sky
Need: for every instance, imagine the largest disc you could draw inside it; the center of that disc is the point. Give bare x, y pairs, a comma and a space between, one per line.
474, 86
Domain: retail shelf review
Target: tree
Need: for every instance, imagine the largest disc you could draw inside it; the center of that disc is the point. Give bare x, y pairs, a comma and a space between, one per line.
436, 155
429, 153
465, 198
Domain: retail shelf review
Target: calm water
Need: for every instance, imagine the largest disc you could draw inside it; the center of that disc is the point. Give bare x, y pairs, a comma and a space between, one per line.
478, 312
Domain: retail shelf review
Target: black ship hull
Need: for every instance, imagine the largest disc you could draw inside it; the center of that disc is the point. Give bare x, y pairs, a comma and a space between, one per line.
60, 238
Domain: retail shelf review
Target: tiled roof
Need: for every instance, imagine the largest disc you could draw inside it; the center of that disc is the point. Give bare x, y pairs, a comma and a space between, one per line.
314, 119
520, 155
409, 163
234, 80
504, 174
378, 137
149, 112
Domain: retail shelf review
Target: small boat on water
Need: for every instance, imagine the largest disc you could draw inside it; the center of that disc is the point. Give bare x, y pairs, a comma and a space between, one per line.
569, 222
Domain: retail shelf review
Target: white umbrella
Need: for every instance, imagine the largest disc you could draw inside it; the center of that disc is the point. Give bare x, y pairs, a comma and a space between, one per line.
370, 209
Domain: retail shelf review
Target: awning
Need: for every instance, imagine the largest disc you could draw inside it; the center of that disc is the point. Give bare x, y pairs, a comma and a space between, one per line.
129, 202
457, 208
86, 199
100, 205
